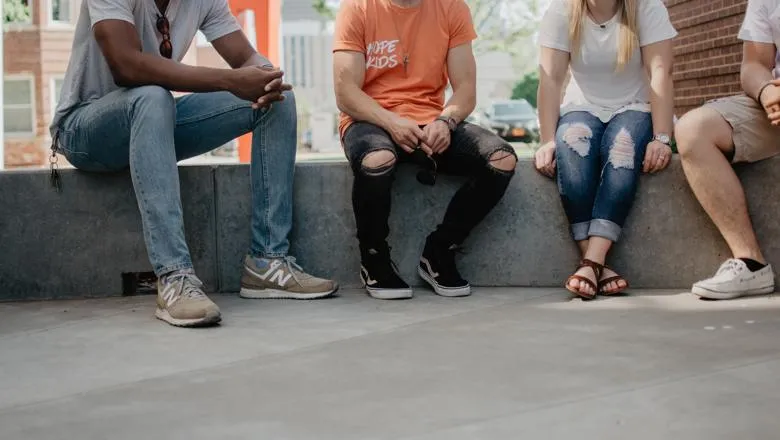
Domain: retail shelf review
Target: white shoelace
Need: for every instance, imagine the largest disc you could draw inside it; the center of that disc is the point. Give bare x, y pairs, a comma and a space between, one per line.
731, 267
293, 268
186, 285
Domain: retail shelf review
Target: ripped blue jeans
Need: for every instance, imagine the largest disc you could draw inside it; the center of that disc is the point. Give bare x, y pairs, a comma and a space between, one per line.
598, 169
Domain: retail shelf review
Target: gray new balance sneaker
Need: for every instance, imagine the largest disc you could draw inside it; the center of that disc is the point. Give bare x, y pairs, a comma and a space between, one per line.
281, 278
182, 303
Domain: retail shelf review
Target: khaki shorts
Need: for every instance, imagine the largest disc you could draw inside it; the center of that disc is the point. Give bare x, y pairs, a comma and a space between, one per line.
754, 137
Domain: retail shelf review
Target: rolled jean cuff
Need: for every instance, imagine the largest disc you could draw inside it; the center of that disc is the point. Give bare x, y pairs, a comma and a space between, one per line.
605, 229
579, 231
267, 255
164, 270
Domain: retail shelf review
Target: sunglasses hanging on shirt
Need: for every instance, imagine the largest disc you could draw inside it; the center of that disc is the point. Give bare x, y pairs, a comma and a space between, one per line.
164, 28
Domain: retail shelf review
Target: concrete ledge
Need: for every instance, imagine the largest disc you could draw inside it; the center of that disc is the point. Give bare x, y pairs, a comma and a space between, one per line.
79, 242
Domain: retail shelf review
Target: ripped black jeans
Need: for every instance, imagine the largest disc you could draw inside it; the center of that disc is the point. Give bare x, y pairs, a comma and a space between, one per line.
473, 151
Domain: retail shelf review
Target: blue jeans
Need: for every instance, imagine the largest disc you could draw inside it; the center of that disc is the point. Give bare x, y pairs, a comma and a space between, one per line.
598, 169
149, 131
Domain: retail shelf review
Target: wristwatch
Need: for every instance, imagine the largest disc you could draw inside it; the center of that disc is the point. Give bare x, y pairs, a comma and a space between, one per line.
452, 124
663, 138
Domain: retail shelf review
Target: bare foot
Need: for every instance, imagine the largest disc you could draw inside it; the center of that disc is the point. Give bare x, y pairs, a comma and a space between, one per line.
580, 287
615, 286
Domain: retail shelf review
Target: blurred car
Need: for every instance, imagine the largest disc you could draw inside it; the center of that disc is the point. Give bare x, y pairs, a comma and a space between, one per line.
514, 120
478, 118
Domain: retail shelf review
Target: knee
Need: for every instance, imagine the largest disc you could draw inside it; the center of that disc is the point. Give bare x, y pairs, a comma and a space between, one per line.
155, 96
378, 163
622, 152
693, 132
152, 105
575, 136
503, 160
285, 110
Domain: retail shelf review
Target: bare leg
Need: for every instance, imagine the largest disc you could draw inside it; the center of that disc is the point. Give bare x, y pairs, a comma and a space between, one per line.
597, 249
583, 245
704, 140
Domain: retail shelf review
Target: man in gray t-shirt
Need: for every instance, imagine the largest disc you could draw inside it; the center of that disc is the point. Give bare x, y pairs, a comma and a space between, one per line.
116, 112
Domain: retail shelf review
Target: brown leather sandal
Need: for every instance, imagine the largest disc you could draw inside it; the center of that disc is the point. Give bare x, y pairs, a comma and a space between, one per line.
596, 268
613, 279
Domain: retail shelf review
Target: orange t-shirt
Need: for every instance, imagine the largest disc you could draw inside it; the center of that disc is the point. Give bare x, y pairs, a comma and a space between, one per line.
387, 34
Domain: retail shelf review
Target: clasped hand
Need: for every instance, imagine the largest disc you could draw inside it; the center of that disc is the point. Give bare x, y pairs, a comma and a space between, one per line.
260, 85
434, 138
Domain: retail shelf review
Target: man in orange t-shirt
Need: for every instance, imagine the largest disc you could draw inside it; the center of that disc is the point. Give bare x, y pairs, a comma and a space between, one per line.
392, 62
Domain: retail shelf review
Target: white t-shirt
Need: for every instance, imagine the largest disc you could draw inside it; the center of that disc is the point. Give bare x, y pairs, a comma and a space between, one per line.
596, 86
762, 25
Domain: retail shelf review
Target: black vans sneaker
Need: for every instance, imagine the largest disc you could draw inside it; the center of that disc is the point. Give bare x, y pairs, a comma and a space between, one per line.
437, 268
380, 276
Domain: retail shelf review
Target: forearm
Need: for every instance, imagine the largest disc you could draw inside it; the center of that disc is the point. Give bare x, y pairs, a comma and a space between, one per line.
549, 105
753, 77
462, 103
662, 101
257, 60
144, 70
359, 106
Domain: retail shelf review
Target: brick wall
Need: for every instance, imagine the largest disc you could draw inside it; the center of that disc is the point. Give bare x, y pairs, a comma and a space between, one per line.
39, 50
707, 53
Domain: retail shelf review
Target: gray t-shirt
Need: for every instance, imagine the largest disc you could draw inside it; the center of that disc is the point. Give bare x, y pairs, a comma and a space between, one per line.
88, 77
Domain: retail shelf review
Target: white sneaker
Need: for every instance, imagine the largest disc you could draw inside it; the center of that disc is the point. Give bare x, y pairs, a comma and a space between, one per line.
734, 280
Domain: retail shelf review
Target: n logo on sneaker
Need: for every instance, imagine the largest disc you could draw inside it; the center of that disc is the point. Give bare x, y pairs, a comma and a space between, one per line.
170, 296
274, 274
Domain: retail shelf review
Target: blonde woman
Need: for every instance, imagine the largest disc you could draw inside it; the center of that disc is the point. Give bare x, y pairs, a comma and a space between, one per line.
614, 123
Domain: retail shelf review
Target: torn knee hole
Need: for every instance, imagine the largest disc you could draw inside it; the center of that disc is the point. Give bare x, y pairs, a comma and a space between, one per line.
577, 137
621, 155
503, 161
378, 163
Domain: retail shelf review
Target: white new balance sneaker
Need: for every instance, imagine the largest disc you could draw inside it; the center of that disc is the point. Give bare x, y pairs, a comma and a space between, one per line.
734, 280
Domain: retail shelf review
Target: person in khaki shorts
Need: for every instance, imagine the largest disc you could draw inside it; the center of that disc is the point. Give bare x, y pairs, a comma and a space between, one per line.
743, 128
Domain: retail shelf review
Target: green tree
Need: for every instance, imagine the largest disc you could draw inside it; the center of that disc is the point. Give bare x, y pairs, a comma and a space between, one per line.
15, 11
526, 88
325, 8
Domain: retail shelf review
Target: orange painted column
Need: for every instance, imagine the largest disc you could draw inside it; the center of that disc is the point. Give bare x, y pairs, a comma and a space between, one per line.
268, 15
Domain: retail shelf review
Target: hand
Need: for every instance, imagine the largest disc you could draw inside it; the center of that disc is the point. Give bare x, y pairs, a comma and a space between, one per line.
657, 157
545, 159
407, 135
253, 83
770, 100
269, 98
437, 136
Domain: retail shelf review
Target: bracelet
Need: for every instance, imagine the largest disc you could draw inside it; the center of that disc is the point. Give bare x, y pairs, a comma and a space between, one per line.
761, 91
452, 124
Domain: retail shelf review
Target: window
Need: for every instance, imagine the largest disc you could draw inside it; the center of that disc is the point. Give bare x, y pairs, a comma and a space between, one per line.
292, 70
55, 91
18, 11
303, 61
63, 11
19, 114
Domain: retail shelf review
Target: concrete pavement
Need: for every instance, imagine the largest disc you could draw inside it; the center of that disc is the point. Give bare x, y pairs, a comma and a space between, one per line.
503, 364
